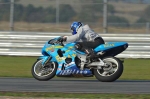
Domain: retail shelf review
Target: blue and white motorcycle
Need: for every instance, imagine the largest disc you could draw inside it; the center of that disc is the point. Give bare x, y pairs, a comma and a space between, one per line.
63, 60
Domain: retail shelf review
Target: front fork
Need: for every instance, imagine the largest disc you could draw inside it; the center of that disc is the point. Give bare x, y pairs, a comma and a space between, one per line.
45, 59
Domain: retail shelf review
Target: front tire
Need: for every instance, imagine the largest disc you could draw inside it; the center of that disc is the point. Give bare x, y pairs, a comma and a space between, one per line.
111, 72
44, 73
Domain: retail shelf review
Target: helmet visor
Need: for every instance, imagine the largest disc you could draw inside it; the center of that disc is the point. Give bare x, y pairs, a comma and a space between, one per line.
74, 32
73, 29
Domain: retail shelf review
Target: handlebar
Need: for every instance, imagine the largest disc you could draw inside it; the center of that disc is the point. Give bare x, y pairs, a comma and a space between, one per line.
55, 41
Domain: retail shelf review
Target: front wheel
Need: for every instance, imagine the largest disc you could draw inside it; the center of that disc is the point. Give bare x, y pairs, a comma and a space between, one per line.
43, 73
111, 72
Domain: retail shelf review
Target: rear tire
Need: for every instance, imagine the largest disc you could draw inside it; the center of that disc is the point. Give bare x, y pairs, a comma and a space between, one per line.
110, 73
44, 73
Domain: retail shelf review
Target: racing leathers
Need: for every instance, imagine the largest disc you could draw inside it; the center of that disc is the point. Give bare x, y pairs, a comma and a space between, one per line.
86, 40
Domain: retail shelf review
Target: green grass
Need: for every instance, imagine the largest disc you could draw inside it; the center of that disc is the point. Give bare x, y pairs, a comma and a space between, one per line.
75, 95
136, 69
16, 66
13, 66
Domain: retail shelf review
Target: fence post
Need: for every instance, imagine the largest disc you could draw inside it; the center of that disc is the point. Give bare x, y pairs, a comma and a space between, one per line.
105, 17
57, 12
147, 27
12, 15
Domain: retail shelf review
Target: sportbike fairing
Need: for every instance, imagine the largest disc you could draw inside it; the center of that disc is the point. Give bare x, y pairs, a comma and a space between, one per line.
65, 57
110, 45
60, 54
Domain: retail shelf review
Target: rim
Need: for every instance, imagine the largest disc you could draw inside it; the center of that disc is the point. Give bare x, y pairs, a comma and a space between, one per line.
43, 71
110, 69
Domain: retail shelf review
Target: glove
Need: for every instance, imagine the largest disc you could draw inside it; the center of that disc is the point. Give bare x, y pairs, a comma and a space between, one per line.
62, 39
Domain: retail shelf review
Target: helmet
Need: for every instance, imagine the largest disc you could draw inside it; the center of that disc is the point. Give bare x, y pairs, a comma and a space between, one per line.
75, 26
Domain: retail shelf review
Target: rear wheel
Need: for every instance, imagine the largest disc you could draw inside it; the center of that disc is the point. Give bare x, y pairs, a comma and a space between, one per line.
44, 73
111, 72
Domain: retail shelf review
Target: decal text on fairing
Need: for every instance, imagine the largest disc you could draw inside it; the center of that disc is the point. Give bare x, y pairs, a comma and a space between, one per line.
74, 71
108, 45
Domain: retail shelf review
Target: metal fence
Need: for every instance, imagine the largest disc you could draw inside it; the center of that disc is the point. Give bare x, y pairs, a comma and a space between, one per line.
122, 16
30, 43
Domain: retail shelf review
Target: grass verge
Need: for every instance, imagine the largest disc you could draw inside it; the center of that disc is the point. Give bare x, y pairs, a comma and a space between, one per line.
13, 66
44, 95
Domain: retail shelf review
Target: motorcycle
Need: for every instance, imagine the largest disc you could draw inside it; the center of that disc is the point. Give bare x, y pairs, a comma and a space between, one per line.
63, 60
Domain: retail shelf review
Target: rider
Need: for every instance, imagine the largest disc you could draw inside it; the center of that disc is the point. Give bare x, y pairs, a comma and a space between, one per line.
86, 39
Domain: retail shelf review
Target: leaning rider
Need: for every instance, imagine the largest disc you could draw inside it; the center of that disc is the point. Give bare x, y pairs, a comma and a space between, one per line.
86, 39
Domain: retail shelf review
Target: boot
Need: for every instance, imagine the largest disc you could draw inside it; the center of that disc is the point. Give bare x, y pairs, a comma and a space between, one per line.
90, 54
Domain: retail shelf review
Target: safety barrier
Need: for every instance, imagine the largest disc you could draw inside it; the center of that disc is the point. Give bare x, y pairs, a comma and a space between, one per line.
30, 43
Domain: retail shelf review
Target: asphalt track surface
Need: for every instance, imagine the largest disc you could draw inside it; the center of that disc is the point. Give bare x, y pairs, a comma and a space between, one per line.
75, 85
